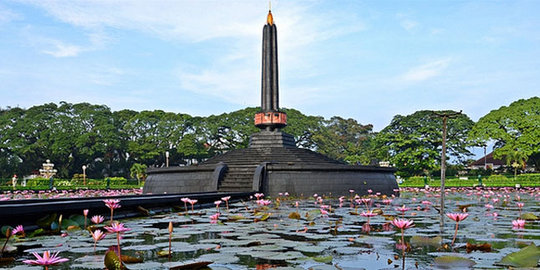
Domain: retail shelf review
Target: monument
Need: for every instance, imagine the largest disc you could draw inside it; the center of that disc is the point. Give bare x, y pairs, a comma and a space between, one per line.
272, 163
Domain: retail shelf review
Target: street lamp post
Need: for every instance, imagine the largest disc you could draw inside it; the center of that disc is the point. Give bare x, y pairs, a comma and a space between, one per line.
444, 117
84, 174
167, 159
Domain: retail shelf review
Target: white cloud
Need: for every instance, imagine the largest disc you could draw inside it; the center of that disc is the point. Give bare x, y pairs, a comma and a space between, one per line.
61, 49
233, 73
426, 71
406, 22
7, 15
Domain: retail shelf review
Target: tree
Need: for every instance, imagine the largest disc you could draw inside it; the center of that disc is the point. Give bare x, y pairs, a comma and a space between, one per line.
515, 130
344, 139
413, 143
303, 127
138, 171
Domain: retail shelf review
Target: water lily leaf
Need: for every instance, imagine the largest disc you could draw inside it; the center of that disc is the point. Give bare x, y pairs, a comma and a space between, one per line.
236, 217
323, 259
294, 215
526, 257
130, 259
67, 223
163, 253
485, 247
46, 221
112, 262
264, 217
529, 216
79, 219
420, 241
190, 265
450, 262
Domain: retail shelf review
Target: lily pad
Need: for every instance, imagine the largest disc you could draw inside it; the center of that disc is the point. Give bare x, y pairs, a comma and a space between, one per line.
452, 262
420, 241
529, 216
526, 257
323, 259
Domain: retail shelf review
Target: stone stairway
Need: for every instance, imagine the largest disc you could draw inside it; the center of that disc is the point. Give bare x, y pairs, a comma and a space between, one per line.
282, 155
238, 178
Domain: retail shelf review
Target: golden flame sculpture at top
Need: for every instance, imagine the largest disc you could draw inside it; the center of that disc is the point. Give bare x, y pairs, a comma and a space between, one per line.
270, 19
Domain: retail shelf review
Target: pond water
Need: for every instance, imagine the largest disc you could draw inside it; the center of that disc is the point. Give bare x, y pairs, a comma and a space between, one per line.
338, 240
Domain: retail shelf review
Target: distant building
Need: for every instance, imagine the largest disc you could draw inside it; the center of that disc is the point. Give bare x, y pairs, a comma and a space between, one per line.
487, 162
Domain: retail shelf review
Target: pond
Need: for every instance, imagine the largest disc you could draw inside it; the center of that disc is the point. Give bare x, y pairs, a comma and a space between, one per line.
254, 236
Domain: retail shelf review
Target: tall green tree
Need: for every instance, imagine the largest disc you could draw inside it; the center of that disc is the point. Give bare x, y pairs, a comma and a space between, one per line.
413, 143
303, 127
515, 129
345, 139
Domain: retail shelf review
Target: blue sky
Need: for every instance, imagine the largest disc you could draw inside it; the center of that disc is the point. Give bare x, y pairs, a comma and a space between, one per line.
368, 60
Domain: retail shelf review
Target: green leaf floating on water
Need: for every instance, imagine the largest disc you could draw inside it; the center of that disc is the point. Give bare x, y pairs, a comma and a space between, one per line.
68, 223
112, 262
450, 262
46, 221
420, 241
529, 216
526, 257
294, 215
323, 259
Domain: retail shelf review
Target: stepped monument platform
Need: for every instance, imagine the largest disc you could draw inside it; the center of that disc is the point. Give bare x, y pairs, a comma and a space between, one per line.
272, 163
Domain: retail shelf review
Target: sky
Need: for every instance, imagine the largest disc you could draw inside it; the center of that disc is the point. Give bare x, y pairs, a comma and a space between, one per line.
367, 60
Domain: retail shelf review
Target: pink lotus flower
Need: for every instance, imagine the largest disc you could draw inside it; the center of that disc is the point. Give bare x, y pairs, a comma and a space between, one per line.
403, 209
226, 199
387, 201
97, 219
192, 202
457, 217
214, 218
324, 212
263, 202
185, 200
368, 214
518, 224
258, 195
18, 230
402, 223
46, 260
117, 228
97, 235
112, 204
85, 212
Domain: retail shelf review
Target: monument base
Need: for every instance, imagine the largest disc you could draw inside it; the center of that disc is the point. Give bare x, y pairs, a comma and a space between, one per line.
266, 138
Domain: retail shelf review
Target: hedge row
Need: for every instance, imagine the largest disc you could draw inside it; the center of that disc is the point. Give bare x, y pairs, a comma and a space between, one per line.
524, 180
43, 183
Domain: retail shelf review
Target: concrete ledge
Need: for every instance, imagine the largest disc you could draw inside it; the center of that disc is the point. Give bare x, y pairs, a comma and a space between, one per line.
180, 180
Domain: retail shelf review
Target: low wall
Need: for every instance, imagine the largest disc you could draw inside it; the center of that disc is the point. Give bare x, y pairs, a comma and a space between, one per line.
329, 180
180, 180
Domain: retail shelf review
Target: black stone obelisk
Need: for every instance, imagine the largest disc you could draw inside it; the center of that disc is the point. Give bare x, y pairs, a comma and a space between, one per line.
269, 83
270, 118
